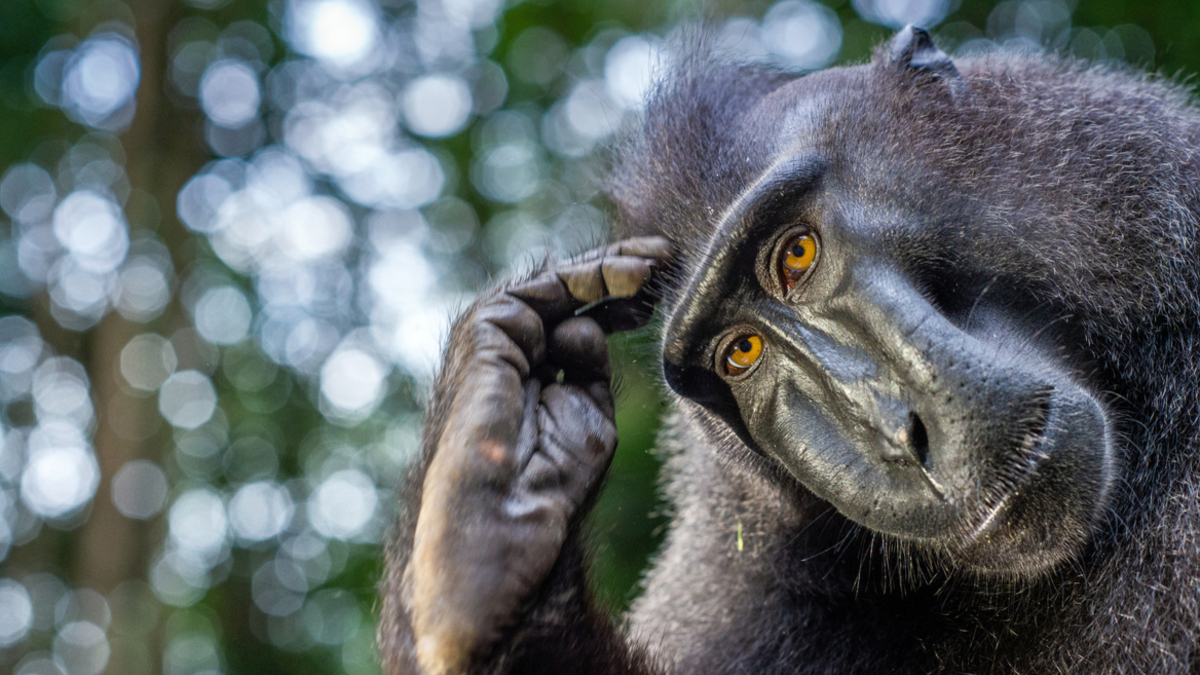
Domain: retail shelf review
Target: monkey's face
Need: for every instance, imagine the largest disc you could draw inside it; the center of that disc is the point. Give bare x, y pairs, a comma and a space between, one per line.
925, 388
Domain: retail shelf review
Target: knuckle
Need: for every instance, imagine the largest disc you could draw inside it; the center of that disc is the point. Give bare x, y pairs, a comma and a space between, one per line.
659, 248
542, 290
584, 281
500, 327
510, 314
489, 342
579, 338
625, 276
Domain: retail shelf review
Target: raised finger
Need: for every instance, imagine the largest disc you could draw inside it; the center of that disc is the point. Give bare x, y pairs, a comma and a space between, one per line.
654, 247
621, 270
557, 293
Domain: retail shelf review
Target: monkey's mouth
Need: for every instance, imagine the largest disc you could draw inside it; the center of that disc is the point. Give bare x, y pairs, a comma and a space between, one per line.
1014, 474
1037, 506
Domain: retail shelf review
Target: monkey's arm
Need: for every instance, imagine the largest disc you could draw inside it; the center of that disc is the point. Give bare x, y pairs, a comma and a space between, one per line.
484, 574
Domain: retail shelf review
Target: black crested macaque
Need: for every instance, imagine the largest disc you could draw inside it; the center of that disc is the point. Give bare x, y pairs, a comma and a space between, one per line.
931, 333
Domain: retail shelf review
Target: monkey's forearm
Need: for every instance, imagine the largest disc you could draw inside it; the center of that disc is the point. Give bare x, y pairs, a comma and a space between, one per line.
518, 437
562, 631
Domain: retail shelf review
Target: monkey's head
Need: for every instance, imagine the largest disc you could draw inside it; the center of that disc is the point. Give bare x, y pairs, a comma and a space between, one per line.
900, 284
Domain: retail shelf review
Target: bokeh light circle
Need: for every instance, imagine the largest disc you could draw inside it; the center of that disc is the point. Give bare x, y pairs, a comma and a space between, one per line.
341, 33
147, 361
198, 522
17, 615
353, 382
92, 228
100, 78
60, 477
260, 510
802, 34
899, 13
82, 647
437, 105
27, 193
139, 489
187, 399
343, 504
229, 93
223, 315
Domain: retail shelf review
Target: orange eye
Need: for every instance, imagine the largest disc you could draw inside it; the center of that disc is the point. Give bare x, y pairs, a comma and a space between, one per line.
795, 259
743, 353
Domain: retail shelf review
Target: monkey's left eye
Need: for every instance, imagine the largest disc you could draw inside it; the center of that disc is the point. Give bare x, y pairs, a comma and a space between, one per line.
795, 258
742, 353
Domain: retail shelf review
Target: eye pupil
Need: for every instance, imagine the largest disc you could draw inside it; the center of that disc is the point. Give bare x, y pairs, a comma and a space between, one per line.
745, 346
798, 250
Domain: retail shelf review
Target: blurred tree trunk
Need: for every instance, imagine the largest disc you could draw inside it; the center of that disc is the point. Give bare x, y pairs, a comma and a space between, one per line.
162, 152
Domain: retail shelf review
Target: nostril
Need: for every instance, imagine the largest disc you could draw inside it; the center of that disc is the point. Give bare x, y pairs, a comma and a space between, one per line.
919, 439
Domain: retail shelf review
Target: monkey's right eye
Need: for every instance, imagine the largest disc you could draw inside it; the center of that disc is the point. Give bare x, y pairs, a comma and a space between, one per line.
797, 255
742, 353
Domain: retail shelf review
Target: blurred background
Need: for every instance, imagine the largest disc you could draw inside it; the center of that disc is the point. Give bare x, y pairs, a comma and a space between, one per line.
232, 235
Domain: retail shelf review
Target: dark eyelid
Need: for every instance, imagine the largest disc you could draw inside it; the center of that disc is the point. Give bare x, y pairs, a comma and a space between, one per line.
781, 200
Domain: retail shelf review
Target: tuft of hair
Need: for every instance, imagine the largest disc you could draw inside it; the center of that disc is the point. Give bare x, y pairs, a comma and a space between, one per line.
687, 153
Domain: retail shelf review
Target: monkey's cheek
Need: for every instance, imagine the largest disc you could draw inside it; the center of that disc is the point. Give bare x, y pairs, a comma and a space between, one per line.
1049, 516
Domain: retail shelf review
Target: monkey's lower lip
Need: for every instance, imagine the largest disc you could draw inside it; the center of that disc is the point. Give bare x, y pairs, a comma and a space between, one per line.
992, 513
1019, 470
1037, 509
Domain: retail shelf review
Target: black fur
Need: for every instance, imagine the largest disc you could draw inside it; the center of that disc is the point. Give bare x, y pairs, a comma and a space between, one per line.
1094, 168
1046, 208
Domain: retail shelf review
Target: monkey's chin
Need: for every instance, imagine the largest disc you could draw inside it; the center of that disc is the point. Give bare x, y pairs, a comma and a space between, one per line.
1047, 516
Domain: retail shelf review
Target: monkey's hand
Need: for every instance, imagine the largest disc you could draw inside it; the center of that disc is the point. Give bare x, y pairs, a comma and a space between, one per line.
520, 435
